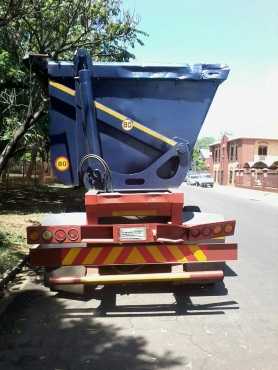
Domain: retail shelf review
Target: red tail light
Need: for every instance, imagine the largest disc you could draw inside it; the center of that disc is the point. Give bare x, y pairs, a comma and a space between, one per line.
214, 230
60, 235
73, 234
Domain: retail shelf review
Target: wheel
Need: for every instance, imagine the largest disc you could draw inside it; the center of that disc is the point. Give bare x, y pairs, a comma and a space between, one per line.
191, 209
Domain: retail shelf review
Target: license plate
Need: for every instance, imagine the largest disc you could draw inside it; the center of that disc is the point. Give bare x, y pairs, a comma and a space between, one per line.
132, 233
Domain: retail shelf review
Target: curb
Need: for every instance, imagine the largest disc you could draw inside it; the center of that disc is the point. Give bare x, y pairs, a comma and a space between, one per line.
9, 275
5, 301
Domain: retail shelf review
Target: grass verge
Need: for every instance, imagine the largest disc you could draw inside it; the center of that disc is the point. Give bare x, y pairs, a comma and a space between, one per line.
23, 205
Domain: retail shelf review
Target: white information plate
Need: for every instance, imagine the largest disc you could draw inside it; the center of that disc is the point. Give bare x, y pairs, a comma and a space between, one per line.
133, 233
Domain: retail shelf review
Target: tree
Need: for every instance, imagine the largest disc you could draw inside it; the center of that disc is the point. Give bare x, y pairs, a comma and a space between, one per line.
55, 28
198, 163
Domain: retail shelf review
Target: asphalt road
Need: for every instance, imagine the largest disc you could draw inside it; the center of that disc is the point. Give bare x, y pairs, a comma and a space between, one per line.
231, 326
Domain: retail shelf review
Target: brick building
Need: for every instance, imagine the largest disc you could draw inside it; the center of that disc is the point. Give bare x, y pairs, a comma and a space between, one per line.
232, 158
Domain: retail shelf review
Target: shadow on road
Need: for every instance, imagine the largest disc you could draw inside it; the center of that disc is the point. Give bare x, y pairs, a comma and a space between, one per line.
183, 303
20, 199
36, 334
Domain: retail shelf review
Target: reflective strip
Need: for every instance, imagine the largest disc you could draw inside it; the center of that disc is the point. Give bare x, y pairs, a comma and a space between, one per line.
134, 257
198, 253
113, 255
117, 115
177, 253
155, 252
70, 256
92, 256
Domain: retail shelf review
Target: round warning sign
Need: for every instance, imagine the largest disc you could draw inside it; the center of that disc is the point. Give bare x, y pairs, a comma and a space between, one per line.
62, 164
127, 124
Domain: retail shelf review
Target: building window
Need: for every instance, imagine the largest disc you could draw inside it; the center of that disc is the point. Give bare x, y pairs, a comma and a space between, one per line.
262, 150
216, 155
230, 177
233, 152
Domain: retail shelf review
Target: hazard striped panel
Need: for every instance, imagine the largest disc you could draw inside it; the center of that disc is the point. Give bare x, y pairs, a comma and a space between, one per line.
130, 255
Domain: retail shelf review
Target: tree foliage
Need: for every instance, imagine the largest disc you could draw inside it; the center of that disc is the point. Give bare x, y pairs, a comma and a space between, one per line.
198, 162
55, 28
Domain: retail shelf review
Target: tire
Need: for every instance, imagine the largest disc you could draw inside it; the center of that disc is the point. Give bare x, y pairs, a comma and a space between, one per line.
191, 209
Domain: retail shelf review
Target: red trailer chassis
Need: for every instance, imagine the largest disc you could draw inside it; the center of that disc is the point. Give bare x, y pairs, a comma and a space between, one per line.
133, 229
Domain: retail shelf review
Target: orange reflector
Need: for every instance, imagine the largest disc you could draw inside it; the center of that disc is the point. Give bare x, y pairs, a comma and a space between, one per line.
47, 235
34, 236
228, 228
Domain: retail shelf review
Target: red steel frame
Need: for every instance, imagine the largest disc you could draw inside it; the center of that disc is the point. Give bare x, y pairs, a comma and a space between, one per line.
168, 243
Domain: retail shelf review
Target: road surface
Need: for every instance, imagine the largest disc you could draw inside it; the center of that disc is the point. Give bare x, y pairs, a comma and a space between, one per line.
228, 327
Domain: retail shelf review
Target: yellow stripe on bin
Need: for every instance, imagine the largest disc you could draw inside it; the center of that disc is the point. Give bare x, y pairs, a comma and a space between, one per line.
117, 115
70, 256
90, 258
174, 250
63, 88
112, 256
155, 252
198, 253
137, 125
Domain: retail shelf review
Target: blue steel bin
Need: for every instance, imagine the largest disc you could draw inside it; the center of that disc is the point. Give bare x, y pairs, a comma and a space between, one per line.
147, 140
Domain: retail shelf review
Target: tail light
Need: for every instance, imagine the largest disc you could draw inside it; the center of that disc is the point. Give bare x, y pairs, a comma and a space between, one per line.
47, 235
60, 235
73, 234
214, 230
53, 234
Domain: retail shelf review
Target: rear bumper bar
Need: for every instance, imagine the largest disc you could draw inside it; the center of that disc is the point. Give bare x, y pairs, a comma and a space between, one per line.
183, 277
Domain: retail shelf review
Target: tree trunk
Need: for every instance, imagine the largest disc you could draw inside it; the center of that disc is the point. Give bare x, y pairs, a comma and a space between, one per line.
19, 133
32, 164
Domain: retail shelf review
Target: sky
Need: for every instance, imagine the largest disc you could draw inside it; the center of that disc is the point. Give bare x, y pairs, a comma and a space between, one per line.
240, 33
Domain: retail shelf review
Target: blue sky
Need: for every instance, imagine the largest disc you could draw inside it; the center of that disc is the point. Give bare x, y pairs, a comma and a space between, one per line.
242, 34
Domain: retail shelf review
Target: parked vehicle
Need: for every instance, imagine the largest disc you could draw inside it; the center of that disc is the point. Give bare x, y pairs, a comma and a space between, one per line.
204, 180
191, 179
126, 133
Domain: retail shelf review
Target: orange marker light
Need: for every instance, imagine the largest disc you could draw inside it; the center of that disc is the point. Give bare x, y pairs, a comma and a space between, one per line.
228, 228
34, 236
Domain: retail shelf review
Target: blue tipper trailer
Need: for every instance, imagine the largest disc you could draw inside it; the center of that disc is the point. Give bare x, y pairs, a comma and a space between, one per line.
126, 132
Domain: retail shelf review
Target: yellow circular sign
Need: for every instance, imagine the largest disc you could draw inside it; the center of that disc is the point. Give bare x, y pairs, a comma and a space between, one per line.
62, 164
127, 124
